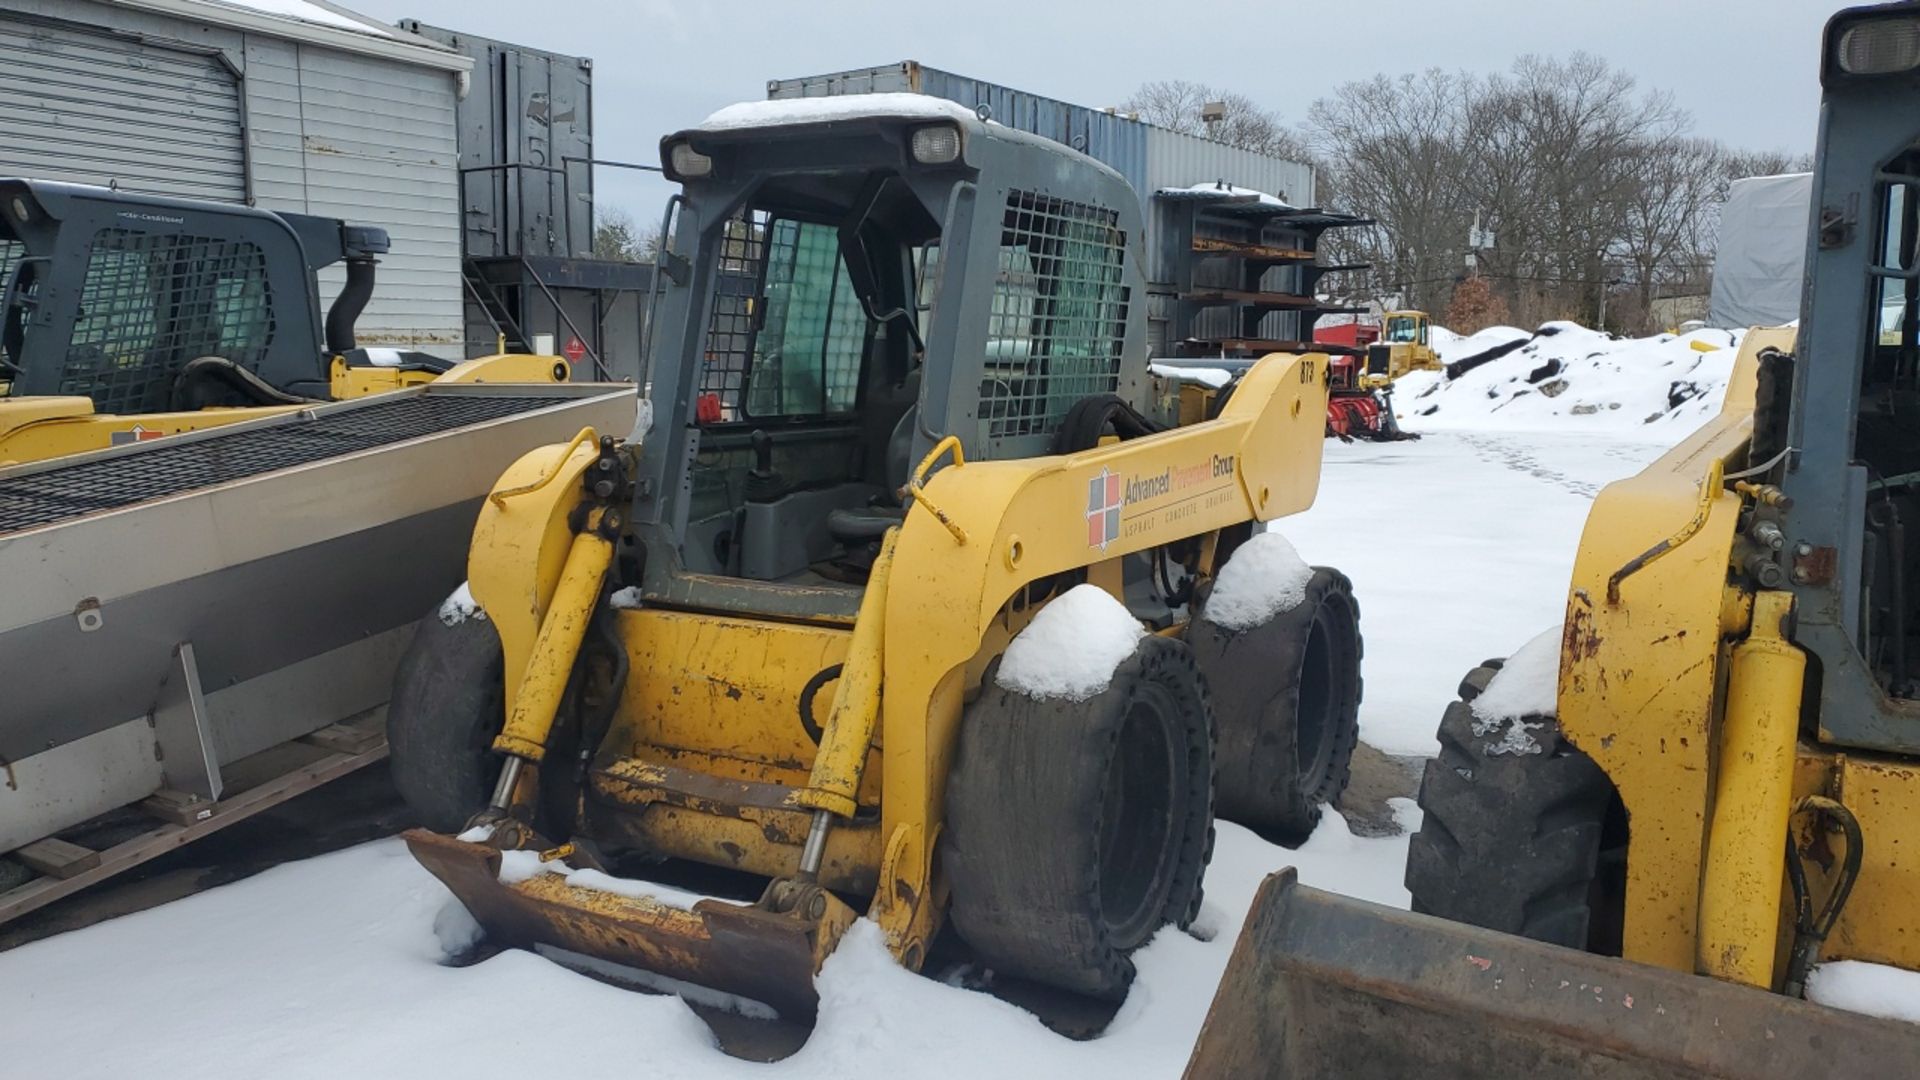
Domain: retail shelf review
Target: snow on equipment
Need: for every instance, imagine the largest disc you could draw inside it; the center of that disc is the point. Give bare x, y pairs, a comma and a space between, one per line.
906, 419
1725, 790
204, 604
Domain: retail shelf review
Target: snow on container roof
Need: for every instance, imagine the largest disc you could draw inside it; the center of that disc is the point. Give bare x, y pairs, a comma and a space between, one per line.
306, 11
1222, 190
314, 22
786, 111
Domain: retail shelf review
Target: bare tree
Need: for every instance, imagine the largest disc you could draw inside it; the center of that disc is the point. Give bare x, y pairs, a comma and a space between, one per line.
1672, 214
1177, 104
1394, 151
615, 236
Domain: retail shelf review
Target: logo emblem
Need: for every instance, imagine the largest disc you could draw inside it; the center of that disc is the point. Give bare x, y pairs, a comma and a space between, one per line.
1103, 509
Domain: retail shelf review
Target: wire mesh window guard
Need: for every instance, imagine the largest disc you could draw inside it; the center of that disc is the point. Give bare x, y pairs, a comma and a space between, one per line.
1058, 316
800, 353
150, 302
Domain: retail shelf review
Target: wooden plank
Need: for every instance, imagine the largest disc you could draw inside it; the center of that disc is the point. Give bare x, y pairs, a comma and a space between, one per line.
178, 807
1211, 245
344, 738
56, 858
42, 891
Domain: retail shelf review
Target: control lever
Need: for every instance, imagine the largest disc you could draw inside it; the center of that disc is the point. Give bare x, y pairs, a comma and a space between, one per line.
763, 480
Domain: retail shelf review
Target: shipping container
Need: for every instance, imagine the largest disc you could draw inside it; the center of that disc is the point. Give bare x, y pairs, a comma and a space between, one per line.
1195, 301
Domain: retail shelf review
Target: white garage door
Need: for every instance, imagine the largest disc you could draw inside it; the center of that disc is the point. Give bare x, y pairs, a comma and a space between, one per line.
97, 108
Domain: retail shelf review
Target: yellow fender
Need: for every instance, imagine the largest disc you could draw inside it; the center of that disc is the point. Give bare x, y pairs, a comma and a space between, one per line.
1639, 675
1024, 520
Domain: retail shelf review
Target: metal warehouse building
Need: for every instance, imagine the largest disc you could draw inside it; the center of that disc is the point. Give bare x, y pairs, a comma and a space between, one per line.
288, 105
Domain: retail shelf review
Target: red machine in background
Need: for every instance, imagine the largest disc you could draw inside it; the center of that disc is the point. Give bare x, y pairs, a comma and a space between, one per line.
1354, 409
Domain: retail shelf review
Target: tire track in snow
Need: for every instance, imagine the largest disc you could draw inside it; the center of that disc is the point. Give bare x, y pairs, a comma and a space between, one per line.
1501, 451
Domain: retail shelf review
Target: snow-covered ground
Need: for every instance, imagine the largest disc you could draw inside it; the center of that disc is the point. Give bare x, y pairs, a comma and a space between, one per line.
1459, 546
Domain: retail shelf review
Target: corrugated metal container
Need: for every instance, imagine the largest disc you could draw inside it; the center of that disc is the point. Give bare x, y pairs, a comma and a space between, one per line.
526, 137
1178, 160
1150, 157
1107, 137
283, 114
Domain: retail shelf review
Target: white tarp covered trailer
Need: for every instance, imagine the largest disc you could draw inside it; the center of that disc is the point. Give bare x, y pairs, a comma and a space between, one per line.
1758, 269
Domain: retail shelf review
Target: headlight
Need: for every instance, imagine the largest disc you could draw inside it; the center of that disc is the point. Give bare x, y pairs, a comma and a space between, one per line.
1879, 47
688, 162
938, 144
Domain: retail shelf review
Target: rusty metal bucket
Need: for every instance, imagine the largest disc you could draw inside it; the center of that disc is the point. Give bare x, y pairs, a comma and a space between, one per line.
1321, 985
745, 949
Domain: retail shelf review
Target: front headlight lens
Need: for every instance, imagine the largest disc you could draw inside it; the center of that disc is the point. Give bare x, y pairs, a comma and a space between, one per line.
1879, 47
936, 145
688, 162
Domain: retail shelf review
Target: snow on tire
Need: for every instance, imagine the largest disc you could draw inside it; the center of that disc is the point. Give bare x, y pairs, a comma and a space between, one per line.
1076, 829
1513, 829
1286, 700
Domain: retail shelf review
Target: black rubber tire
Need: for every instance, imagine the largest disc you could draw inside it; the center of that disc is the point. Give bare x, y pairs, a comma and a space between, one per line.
1075, 830
1511, 842
1286, 707
448, 703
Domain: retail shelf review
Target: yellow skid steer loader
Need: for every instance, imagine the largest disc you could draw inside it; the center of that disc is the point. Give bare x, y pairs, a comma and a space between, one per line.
904, 410
1728, 791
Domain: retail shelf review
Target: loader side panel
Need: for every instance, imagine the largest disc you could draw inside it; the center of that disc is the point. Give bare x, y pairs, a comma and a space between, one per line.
1640, 677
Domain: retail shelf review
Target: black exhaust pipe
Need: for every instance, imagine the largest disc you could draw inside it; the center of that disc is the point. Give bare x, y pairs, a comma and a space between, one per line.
350, 303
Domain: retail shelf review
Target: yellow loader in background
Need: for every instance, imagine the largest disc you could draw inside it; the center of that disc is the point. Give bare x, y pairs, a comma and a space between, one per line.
1728, 791
768, 638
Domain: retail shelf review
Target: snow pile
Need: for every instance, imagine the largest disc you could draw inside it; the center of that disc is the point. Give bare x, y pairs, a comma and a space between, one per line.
1264, 577
1565, 374
1072, 647
460, 606
1874, 989
822, 110
1526, 684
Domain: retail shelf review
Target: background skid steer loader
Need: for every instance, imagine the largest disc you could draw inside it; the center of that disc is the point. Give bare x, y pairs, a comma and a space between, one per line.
798, 680
126, 317
1731, 785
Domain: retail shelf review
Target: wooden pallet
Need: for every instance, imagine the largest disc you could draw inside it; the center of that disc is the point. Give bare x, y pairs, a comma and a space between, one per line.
65, 868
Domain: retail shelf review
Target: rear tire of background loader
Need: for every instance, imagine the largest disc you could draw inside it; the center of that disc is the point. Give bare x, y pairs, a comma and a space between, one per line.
1513, 842
448, 704
1075, 830
1286, 707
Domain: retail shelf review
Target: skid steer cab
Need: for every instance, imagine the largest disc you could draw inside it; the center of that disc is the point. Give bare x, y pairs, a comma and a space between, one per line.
901, 377
127, 317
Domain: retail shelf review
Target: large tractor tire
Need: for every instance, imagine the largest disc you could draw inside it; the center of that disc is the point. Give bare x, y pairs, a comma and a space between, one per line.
1076, 830
1514, 841
448, 703
1286, 707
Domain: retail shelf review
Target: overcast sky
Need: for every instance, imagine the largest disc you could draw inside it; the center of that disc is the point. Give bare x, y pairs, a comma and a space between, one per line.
1747, 71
